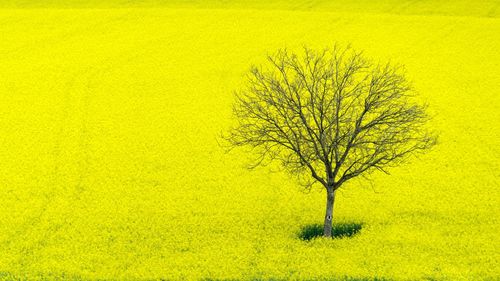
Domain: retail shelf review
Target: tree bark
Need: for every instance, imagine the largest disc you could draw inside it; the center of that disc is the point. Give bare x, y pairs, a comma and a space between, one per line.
330, 199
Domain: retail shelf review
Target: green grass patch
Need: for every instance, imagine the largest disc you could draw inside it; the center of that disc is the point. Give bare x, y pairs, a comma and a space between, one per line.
339, 230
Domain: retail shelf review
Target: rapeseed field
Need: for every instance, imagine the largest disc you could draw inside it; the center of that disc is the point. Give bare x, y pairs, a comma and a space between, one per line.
110, 166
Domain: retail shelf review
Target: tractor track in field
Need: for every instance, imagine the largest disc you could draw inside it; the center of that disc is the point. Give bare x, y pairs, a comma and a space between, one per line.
34, 221
56, 174
87, 77
83, 163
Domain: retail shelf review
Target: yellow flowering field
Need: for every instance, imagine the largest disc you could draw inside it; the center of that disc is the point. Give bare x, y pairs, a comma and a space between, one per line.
110, 166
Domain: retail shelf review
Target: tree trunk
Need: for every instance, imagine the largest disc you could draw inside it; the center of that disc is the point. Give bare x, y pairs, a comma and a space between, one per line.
330, 199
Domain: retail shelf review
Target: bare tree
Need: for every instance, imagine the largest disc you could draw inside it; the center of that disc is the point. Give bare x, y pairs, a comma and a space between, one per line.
329, 116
